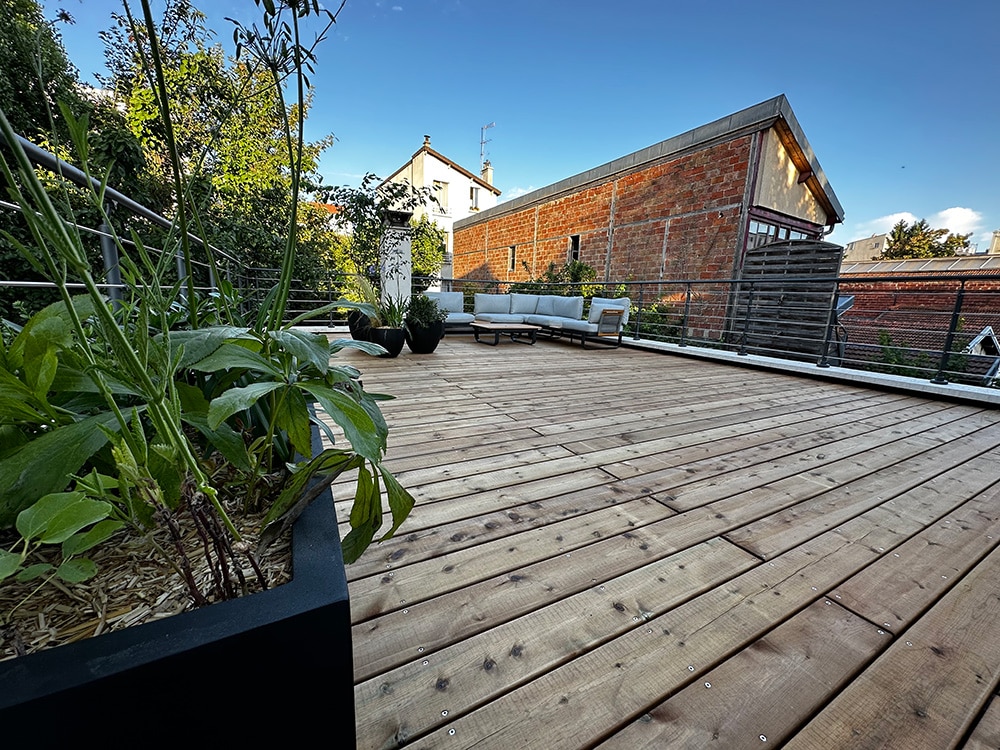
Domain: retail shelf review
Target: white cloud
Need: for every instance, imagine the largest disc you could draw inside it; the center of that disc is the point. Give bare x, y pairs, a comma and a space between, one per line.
515, 192
957, 220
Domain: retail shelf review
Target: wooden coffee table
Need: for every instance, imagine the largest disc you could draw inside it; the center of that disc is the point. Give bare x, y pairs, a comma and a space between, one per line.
516, 331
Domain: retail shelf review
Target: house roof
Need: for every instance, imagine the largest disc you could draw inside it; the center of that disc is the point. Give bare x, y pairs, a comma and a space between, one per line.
989, 264
426, 149
776, 112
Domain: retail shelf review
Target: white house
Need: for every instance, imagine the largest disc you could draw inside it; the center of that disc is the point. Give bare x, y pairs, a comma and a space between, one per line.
459, 192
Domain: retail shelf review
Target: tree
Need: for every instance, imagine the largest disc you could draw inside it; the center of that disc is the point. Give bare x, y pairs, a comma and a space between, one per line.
428, 243
362, 216
919, 240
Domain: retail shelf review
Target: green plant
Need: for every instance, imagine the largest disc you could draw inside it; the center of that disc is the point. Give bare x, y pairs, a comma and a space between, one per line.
172, 406
424, 312
391, 312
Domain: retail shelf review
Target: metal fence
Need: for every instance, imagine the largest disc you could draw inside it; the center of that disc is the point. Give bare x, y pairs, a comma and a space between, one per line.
937, 327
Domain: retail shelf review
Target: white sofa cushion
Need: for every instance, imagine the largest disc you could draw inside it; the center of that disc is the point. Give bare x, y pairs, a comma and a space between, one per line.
491, 303
452, 302
523, 303
568, 307
545, 304
600, 303
501, 317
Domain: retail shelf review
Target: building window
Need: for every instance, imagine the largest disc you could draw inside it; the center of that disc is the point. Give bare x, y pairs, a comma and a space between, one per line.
763, 232
473, 198
511, 257
574, 248
441, 193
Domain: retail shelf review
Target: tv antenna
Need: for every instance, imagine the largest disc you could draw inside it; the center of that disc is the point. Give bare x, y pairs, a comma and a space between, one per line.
483, 140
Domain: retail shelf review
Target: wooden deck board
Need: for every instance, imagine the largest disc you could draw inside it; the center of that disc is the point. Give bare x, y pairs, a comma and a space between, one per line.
599, 533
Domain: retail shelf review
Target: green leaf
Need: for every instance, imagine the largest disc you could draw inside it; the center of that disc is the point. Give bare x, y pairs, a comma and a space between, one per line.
56, 517
10, 563
52, 324
46, 464
200, 343
238, 399
360, 429
307, 347
366, 346
101, 532
292, 416
76, 570
33, 572
236, 357
400, 501
366, 517
329, 464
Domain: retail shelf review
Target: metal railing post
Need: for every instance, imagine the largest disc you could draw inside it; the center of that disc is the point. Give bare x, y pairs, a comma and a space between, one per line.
746, 323
112, 269
687, 312
831, 322
638, 316
939, 378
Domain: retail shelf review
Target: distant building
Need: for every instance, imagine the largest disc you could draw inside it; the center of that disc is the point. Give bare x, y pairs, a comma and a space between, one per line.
688, 207
459, 192
995, 243
870, 248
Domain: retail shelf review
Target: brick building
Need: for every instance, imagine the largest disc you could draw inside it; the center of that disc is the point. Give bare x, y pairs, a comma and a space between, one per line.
688, 207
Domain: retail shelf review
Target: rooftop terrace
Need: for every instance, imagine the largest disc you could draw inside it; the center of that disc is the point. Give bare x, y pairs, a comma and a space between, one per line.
623, 548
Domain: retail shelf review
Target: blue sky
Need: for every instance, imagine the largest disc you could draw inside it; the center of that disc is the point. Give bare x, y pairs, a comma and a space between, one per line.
900, 99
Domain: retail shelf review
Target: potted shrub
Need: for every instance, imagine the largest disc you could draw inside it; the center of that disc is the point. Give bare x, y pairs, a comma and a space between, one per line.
387, 326
424, 324
127, 421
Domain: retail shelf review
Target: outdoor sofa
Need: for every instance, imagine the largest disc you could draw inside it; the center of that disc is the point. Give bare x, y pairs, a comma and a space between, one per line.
558, 316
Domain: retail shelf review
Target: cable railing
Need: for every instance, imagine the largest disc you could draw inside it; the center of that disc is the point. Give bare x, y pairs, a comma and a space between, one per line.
939, 327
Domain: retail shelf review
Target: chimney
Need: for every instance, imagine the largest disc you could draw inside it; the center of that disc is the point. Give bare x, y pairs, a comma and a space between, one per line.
487, 173
427, 141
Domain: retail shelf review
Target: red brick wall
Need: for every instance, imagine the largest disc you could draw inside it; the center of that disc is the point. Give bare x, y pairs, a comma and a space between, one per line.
675, 219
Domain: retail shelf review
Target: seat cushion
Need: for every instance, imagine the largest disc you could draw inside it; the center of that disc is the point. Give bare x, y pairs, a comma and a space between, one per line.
599, 303
500, 317
491, 303
452, 302
523, 303
568, 307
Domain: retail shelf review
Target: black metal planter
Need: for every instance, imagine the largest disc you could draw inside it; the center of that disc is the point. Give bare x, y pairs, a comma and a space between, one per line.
276, 665
424, 339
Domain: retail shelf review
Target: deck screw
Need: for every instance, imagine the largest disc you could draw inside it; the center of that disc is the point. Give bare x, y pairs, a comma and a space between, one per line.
763, 738
815, 589
420, 649
690, 667
425, 662
909, 643
451, 731
444, 713
881, 632
828, 602
406, 611
708, 684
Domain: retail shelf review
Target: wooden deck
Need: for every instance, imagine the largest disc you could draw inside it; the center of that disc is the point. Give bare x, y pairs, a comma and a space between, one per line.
624, 549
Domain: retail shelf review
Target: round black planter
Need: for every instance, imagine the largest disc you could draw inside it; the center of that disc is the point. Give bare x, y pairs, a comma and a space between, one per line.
360, 325
390, 339
289, 647
424, 339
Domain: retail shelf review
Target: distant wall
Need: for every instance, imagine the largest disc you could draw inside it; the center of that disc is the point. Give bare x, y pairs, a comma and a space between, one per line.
683, 217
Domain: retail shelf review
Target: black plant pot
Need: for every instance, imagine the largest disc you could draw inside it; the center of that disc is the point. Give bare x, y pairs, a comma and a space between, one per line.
390, 339
359, 324
424, 339
240, 672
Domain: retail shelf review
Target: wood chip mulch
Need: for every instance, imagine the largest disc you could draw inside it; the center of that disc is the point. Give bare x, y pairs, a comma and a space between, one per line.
133, 585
